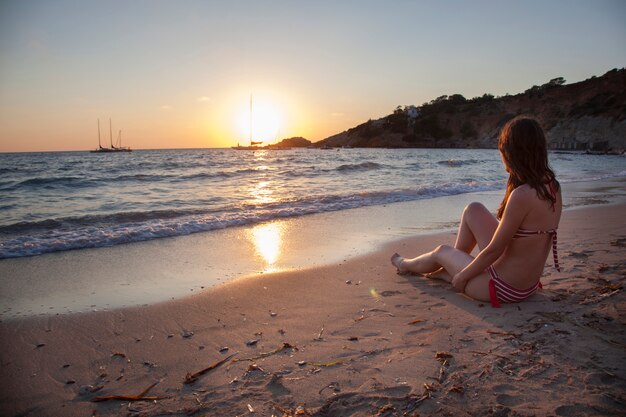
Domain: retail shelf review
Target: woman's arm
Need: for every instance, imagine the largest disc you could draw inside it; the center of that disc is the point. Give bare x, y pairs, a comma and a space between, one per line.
516, 209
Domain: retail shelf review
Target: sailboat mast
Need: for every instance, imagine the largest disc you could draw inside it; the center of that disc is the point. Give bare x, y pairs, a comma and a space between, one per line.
99, 145
111, 133
251, 119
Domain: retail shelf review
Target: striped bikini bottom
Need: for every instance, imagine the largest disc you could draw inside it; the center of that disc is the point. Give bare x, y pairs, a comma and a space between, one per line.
500, 291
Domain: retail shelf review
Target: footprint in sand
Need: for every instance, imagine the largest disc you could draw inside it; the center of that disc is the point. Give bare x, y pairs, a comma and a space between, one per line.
509, 400
503, 388
390, 293
599, 378
576, 410
438, 305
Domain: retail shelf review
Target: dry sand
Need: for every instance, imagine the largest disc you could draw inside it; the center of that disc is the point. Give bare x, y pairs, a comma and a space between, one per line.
351, 339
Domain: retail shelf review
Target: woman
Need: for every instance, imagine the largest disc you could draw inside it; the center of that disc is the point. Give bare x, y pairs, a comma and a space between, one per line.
514, 249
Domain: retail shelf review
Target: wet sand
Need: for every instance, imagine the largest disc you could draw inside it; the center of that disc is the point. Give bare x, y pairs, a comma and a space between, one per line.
163, 269
351, 338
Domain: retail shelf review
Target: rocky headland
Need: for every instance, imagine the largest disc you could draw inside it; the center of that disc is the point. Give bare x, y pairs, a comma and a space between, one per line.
587, 115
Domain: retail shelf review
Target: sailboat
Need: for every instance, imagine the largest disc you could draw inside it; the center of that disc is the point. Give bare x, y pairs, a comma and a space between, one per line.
113, 148
253, 145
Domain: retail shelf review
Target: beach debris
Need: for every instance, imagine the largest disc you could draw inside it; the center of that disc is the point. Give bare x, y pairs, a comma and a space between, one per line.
619, 242
301, 363
319, 336
281, 331
443, 355
334, 386
169, 336
458, 389
40, 345
442, 374
298, 411
250, 408
253, 367
488, 353
193, 377
118, 355
273, 314
353, 339
139, 397
387, 408
266, 354
502, 333
329, 364
187, 334
601, 296
374, 294
67, 365
252, 342
416, 321
89, 389
224, 349
70, 382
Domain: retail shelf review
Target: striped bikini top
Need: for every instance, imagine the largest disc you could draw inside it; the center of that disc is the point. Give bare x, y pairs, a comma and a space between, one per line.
526, 233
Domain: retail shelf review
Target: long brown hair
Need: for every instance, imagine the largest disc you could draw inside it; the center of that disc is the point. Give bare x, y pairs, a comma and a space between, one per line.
522, 144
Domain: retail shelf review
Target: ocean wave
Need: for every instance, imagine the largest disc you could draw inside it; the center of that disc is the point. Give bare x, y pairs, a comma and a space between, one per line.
363, 166
98, 220
598, 177
458, 162
35, 238
53, 181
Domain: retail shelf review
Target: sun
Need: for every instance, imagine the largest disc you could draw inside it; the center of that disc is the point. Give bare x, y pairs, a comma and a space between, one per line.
266, 119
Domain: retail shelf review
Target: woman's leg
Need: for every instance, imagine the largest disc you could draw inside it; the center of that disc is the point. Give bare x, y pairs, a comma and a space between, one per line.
477, 226
444, 256
453, 261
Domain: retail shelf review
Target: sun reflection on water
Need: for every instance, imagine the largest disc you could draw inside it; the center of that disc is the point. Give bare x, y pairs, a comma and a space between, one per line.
262, 192
267, 239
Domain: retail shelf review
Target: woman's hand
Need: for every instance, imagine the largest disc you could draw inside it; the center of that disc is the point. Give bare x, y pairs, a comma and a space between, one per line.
459, 282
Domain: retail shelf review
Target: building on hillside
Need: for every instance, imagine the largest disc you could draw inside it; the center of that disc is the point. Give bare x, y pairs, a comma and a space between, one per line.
412, 113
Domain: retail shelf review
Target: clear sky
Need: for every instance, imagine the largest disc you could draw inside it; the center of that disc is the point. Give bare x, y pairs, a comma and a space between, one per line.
177, 74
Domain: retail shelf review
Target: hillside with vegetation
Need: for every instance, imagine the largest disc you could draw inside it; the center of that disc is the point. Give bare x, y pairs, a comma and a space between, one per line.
587, 115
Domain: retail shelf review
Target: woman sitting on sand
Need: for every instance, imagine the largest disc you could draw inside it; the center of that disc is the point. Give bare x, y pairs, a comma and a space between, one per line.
514, 249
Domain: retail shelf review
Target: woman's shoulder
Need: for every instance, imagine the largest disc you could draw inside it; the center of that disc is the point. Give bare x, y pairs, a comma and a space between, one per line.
523, 192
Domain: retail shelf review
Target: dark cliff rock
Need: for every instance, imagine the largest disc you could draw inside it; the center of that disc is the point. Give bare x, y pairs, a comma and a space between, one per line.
590, 114
295, 142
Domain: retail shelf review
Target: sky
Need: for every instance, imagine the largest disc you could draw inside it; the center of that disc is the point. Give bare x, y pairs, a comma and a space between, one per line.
180, 74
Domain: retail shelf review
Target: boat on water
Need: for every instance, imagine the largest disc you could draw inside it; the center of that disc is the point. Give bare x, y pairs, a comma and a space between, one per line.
113, 148
253, 145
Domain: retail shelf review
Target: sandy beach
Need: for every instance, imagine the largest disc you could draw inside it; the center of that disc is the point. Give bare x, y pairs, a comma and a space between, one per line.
348, 339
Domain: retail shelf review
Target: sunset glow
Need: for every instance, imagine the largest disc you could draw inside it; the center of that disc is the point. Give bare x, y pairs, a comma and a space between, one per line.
180, 75
267, 240
266, 121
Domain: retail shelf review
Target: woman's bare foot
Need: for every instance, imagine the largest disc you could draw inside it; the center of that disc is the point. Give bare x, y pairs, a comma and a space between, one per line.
441, 274
397, 261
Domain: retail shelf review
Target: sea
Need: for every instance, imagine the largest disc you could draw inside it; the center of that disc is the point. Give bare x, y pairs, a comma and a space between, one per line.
63, 201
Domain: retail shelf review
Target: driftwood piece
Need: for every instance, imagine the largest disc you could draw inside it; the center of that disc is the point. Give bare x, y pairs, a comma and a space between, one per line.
139, 397
191, 378
266, 354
